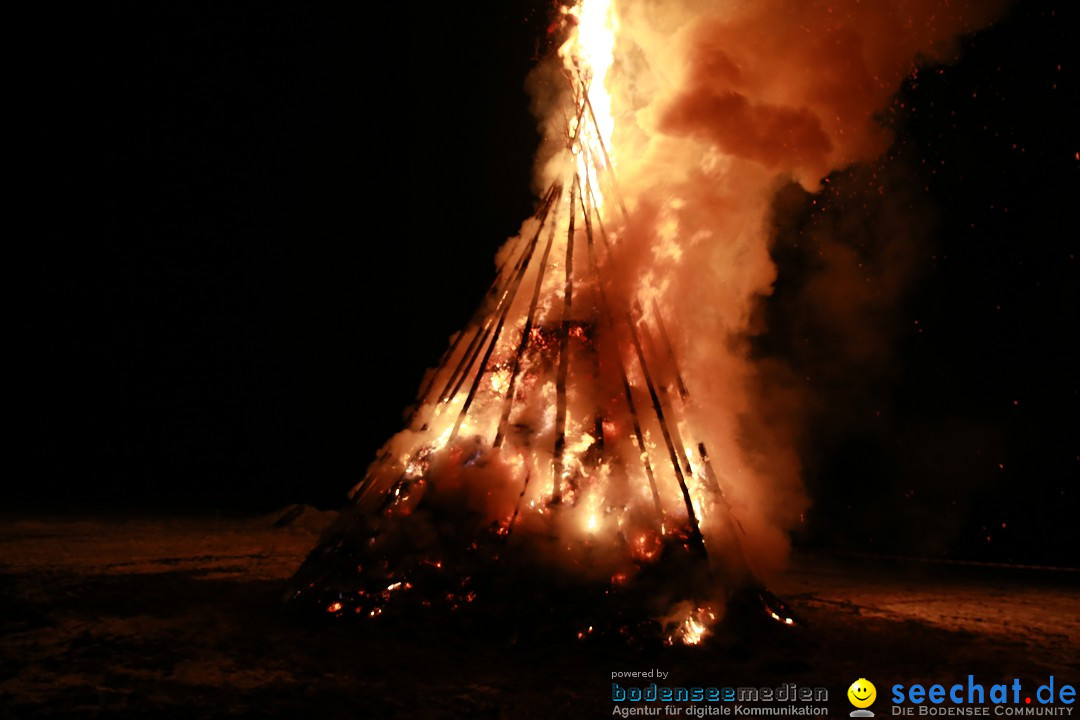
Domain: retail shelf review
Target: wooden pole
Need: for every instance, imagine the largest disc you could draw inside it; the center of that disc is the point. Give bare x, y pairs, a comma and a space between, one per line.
526, 333
564, 356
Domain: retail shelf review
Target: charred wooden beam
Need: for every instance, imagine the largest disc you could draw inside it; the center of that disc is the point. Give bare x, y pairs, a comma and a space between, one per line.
517, 507
476, 347
577, 128
695, 528
643, 450
673, 424
586, 210
564, 355
508, 401
710, 475
736, 531
665, 339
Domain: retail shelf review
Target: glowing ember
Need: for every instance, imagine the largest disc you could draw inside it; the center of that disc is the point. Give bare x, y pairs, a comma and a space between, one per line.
692, 631
689, 625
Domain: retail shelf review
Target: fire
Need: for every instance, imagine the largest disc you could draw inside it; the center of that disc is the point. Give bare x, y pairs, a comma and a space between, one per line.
588, 55
559, 412
693, 632
601, 414
689, 625
646, 546
591, 49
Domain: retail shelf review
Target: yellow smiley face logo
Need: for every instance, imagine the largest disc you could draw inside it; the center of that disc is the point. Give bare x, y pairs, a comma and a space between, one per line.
862, 693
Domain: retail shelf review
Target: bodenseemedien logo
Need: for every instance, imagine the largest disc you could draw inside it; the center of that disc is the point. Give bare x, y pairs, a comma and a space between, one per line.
696, 701
862, 694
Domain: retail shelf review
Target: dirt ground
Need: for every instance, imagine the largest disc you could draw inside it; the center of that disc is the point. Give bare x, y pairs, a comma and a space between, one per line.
152, 617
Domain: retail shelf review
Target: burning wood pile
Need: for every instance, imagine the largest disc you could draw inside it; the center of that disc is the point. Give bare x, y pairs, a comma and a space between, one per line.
555, 439
598, 440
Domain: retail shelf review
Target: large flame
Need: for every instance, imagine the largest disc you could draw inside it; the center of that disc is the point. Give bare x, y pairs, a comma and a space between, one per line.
601, 414
587, 55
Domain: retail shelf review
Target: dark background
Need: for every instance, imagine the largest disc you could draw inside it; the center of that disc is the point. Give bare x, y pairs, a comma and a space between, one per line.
262, 220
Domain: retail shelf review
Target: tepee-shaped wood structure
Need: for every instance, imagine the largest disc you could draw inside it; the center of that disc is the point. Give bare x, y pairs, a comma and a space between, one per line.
555, 432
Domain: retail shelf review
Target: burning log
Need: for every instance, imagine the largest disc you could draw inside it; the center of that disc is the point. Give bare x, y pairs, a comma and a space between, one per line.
586, 211
526, 335
695, 527
564, 356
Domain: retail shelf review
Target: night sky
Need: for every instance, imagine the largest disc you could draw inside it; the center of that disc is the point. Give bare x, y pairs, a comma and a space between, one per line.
264, 219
